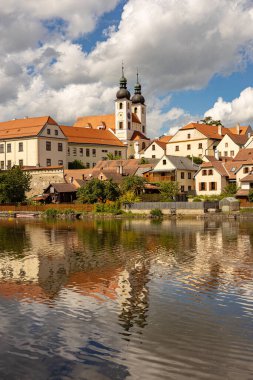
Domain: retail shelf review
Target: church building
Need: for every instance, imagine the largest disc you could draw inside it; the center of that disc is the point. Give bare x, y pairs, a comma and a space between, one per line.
128, 123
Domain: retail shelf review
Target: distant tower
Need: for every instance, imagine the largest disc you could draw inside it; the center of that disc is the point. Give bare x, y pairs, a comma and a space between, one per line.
138, 105
123, 116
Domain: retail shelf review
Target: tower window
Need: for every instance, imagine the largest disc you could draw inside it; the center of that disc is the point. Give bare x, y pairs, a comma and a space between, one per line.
121, 125
120, 106
129, 125
135, 109
143, 129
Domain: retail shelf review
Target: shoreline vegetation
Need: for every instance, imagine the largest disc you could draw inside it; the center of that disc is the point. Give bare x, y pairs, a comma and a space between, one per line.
100, 210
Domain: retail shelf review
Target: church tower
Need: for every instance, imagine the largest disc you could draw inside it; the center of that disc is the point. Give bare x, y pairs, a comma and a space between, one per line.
138, 105
123, 112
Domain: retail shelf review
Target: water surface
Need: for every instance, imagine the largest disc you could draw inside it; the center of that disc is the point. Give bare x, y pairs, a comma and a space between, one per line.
120, 299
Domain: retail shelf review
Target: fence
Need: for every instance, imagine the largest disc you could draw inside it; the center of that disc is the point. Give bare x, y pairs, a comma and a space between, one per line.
61, 206
173, 206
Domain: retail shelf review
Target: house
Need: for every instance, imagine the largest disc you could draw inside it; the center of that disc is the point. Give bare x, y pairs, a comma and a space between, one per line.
174, 168
200, 140
157, 149
41, 177
211, 178
230, 145
61, 192
245, 188
92, 145
37, 141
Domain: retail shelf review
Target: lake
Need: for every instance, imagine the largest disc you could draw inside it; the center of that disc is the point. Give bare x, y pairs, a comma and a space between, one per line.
126, 299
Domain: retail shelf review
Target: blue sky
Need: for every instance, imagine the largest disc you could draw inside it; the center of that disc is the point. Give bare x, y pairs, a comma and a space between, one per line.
65, 60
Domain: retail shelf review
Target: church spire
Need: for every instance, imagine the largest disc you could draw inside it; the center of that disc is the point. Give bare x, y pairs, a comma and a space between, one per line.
123, 91
137, 98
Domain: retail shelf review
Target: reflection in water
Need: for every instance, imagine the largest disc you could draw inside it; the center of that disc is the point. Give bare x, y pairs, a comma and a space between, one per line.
109, 299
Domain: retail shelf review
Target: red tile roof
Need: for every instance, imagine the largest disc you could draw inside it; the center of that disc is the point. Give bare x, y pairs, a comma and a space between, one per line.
243, 130
135, 118
244, 155
247, 178
138, 136
24, 127
106, 121
210, 131
165, 138
91, 136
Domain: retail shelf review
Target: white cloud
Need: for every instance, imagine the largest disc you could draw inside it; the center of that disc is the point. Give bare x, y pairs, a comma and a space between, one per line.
175, 47
239, 110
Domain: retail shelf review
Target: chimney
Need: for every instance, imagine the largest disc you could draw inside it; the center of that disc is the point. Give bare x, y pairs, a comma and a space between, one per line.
237, 128
220, 130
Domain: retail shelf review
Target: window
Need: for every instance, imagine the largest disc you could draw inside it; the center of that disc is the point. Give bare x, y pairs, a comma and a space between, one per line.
177, 148
128, 125
200, 145
119, 153
59, 147
182, 175
245, 170
225, 154
115, 153
20, 147
56, 132
104, 150
189, 175
120, 106
8, 164
232, 153
94, 164
189, 136
48, 162
135, 109
74, 151
210, 172
87, 165
48, 145
212, 186
202, 186
153, 147
60, 162
93, 152
182, 189
189, 188
87, 152
8, 148
204, 172
164, 162
2, 165
121, 125
226, 145
81, 151
68, 151
1, 148
143, 129
188, 146
20, 162
153, 155
48, 131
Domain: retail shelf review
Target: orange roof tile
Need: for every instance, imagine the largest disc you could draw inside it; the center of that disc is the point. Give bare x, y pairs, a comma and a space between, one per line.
210, 131
219, 166
106, 121
24, 127
138, 136
165, 138
247, 178
91, 136
243, 130
238, 139
244, 155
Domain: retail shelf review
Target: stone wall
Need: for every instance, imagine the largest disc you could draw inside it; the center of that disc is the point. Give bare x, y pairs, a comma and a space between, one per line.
41, 178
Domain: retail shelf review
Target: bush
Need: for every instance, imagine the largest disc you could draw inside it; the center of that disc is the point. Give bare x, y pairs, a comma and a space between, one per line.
51, 213
156, 213
110, 208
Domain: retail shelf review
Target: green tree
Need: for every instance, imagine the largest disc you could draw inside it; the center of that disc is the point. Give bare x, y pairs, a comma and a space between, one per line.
129, 197
230, 189
133, 183
111, 156
111, 190
196, 160
209, 121
13, 185
169, 190
76, 164
250, 196
93, 191
96, 190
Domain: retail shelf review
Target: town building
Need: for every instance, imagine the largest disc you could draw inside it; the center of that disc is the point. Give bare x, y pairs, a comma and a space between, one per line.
230, 145
92, 145
37, 141
174, 169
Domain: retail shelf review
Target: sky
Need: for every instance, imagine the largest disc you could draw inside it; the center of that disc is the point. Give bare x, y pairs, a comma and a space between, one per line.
63, 59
